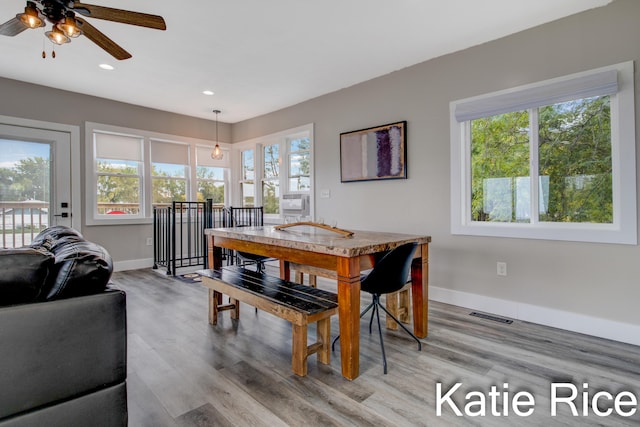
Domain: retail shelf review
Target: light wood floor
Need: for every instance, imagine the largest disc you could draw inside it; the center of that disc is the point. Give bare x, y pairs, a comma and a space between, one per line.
184, 372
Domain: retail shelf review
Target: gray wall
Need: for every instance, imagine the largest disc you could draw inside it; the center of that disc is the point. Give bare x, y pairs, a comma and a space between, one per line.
51, 105
584, 281
594, 280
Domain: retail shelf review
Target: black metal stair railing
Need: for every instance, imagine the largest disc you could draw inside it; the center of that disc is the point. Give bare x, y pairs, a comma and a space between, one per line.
178, 233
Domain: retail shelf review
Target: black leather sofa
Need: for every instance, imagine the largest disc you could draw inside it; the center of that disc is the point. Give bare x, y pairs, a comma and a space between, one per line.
62, 335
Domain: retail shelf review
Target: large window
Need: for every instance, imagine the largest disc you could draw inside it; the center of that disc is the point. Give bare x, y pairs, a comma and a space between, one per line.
211, 177
549, 160
169, 172
271, 179
299, 161
247, 182
119, 174
283, 165
135, 170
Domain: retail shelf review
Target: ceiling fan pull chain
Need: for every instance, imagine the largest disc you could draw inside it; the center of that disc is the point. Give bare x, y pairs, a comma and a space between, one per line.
53, 53
44, 54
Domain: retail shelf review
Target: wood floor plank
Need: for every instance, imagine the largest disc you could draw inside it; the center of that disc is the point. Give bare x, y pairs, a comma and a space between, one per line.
204, 416
266, 387
185, 372
145, 410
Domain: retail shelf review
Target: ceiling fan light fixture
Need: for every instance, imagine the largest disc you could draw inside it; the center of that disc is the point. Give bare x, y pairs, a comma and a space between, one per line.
57, 36
31, 18
70, 27
216, 154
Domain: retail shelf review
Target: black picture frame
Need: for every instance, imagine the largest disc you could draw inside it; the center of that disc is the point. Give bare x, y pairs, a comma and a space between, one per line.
375, 153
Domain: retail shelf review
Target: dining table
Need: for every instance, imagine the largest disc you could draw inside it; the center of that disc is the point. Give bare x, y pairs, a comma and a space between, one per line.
348, 254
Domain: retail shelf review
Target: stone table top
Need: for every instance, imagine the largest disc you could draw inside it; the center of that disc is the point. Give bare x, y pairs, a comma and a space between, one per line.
320, 241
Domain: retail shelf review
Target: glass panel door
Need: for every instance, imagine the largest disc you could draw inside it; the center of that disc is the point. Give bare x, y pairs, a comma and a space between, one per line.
35, 183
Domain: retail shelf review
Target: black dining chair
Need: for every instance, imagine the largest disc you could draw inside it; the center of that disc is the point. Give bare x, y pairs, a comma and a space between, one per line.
388, 275
248, 217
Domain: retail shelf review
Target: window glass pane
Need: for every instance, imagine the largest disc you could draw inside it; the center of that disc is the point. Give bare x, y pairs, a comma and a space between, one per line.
206, 172
248, 194
118, 187
271, 196
271, 161
167, 190
123, 167
299, 171
299, 164
575, 165
210, 184
300, 183
248, 165
301, 144
500, 189
118, 194
165, 169
211, 190
25, 168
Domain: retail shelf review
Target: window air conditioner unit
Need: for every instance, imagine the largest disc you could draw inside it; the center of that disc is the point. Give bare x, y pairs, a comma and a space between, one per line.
294, 205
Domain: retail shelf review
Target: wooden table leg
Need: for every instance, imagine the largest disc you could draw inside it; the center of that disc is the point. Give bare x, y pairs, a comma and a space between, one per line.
285, 270
210, 252
214, 254
349, 315
392, 305
420, 292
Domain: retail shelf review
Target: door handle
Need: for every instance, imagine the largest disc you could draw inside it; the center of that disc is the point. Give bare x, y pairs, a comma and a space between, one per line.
63, 215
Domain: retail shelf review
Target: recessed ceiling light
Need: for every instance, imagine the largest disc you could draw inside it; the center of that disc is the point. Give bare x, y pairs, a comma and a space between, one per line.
106, 67
207, 92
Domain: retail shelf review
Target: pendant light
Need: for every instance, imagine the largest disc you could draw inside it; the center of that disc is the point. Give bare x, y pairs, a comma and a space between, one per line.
216, 154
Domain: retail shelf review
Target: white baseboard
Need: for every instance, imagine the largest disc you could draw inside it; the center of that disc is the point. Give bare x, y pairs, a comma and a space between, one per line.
575, 322
133, 264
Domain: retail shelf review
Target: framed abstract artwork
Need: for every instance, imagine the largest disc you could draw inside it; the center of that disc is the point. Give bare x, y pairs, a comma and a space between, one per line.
374, 153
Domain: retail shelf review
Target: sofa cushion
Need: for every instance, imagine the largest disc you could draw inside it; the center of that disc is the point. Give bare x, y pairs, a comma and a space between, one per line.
23, 274
81, 268
56, 236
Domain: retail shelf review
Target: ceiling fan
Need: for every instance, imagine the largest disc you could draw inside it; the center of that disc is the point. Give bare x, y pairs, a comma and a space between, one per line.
66, 24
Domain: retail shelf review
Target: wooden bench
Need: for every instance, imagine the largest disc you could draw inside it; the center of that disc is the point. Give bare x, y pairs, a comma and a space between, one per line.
296, 303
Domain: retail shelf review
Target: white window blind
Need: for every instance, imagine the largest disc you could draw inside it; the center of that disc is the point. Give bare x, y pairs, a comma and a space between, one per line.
203, 157
118, 147
170, 153
560, 90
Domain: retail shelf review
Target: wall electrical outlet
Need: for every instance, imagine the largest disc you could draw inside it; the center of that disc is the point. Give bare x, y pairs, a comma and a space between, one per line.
149, 241
501, 268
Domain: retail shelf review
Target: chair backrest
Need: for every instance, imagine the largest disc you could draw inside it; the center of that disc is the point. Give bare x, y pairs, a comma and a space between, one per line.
391, 273
246, 217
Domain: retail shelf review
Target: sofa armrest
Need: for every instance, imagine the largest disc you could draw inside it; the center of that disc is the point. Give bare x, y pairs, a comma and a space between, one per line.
59, 350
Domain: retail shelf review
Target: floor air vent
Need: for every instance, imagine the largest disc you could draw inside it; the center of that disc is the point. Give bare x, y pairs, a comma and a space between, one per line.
490, 317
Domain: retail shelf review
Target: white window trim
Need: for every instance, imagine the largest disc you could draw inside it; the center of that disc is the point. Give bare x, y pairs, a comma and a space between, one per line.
146, 217
623, 230
257, 145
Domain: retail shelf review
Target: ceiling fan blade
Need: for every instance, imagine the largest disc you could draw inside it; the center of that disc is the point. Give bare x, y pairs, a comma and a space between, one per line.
12, 27
103, 41
119, 15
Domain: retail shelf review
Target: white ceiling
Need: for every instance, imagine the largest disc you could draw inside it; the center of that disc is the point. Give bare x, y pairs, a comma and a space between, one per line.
259, 56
